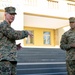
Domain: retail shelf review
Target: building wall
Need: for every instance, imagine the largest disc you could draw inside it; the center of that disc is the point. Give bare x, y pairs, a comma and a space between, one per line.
38, 36
38, 33
61, 32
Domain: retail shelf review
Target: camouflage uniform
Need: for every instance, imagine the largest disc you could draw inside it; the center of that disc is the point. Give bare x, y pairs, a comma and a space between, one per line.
8, 48
67, 39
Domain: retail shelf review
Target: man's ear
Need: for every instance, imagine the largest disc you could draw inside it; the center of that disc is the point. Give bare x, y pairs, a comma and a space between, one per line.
5, 14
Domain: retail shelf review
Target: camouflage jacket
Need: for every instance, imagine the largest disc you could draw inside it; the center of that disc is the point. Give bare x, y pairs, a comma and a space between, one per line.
67, 39
8, 37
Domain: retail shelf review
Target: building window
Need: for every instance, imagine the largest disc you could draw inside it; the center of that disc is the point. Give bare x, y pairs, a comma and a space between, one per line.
31, 2
30, 40
46, 38
53, 4
71, 7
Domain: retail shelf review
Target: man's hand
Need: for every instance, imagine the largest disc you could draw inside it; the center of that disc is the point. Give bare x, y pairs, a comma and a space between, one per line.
72, 45
19, 46
30, 34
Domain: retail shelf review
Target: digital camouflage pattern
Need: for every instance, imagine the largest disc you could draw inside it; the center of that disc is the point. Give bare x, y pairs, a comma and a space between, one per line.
8, 47
8, 36
10, 10
71, 19
7, 68
67, 39
70, 67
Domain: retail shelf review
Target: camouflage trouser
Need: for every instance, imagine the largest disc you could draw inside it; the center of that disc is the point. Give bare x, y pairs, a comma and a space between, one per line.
7, 68
70, 67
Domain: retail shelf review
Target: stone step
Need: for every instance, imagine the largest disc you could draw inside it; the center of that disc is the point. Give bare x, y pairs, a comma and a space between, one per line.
35, 68
41, 65
41, 61
60, 73
41, 70
41, 55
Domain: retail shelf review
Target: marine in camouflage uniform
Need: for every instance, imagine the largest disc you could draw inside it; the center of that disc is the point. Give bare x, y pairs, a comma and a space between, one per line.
8, 47
68, 43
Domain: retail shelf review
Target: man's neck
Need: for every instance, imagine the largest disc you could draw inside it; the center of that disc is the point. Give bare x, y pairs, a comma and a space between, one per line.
8, 22
73, 29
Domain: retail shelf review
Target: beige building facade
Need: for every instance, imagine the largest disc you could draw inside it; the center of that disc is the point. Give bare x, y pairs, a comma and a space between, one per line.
46, 19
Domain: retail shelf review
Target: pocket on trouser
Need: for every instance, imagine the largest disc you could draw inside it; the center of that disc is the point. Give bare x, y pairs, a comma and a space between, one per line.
5, 68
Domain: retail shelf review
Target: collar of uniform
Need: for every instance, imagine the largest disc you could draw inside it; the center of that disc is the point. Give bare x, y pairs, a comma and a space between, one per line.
5, 22
72, 30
